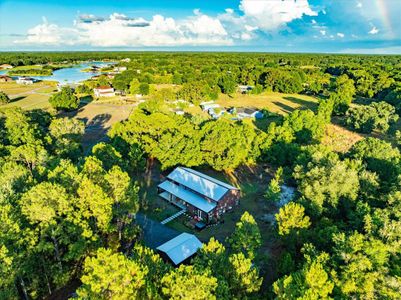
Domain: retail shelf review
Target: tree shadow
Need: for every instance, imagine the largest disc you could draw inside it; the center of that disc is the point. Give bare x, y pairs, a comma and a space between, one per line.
95, 130
80, 108
301, 102
263, 123
284, 107
17, 99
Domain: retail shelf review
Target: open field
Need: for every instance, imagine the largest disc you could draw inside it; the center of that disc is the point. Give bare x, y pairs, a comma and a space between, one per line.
27, 67
98, 118
30, 101
12, 89
340, 139
29, 96
274, 102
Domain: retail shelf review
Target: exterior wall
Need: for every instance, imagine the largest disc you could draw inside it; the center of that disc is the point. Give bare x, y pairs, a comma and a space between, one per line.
104, 92
227, 203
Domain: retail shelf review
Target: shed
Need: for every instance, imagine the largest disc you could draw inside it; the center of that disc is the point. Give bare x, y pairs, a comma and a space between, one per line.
181, 247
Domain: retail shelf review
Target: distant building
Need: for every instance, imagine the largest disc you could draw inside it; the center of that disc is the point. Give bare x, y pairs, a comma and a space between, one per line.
126, 60
104, 91
6, 66
179, 112
5, 78
243, 113
180, 248
120, 69
216, 113
208, 105
204, 197
245, 88
25, 80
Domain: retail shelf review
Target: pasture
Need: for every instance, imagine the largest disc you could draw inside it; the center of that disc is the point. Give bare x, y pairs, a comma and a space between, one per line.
274, 102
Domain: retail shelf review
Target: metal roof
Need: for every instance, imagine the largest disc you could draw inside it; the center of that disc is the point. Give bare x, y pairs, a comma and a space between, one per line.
181, 247
201, 183
187, 196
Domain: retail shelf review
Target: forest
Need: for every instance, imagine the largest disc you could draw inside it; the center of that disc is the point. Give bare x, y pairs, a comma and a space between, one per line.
67, 217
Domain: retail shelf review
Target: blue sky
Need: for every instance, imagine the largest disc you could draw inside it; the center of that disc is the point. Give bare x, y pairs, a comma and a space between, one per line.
339, 26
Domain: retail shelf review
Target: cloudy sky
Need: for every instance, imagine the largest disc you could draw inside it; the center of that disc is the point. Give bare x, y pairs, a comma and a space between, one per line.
345, 26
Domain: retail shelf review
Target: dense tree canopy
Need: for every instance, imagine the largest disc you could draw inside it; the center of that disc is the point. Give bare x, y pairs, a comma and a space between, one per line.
67, 218
64, 100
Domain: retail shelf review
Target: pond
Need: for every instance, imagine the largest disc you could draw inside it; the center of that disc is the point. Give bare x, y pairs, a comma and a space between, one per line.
72, 74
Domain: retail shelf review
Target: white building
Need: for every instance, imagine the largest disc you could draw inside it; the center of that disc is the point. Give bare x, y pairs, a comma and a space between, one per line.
120, 69
245, 88
6, 66
25, 80
208, 105
104, 91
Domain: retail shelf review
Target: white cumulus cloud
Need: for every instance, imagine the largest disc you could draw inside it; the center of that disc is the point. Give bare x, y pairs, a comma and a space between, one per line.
119, 30
340, 34
49, 34
374, 30
272, 14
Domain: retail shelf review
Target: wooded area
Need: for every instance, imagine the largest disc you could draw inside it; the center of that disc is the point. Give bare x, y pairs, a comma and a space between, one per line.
67, 220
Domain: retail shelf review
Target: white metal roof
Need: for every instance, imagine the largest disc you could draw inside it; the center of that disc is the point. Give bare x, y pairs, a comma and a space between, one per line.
201, 183
209, 106
187, 196
181, 247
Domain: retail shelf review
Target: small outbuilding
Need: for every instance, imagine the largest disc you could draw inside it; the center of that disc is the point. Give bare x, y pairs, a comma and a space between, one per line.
245, 88
5, 78
208, 105
104, 91
243, 113
180, 248
25, 80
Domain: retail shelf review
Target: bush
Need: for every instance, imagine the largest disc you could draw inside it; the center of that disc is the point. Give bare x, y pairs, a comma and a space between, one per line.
144, 88
4, 99
366, 118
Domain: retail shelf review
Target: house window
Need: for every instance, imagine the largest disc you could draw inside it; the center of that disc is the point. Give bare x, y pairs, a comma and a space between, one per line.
199, 214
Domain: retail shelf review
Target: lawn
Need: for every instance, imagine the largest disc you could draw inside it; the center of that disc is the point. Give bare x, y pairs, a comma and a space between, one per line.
13, 89
30, 101
28, 67
99, 117
274, 102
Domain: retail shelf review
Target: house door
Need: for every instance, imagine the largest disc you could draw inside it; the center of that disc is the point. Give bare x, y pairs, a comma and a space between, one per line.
199, 214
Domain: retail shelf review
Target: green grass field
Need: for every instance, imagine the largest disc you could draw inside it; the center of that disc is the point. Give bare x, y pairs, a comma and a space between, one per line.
30, 101
274, 102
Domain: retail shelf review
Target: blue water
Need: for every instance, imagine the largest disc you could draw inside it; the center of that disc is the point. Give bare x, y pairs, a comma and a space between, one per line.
71, 75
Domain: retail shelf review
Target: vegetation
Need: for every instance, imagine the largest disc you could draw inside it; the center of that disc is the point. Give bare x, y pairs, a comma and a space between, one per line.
67, 218
377, 116
64, 100
4, 99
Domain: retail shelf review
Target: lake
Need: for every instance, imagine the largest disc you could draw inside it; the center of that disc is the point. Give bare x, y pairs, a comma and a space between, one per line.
72, 74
